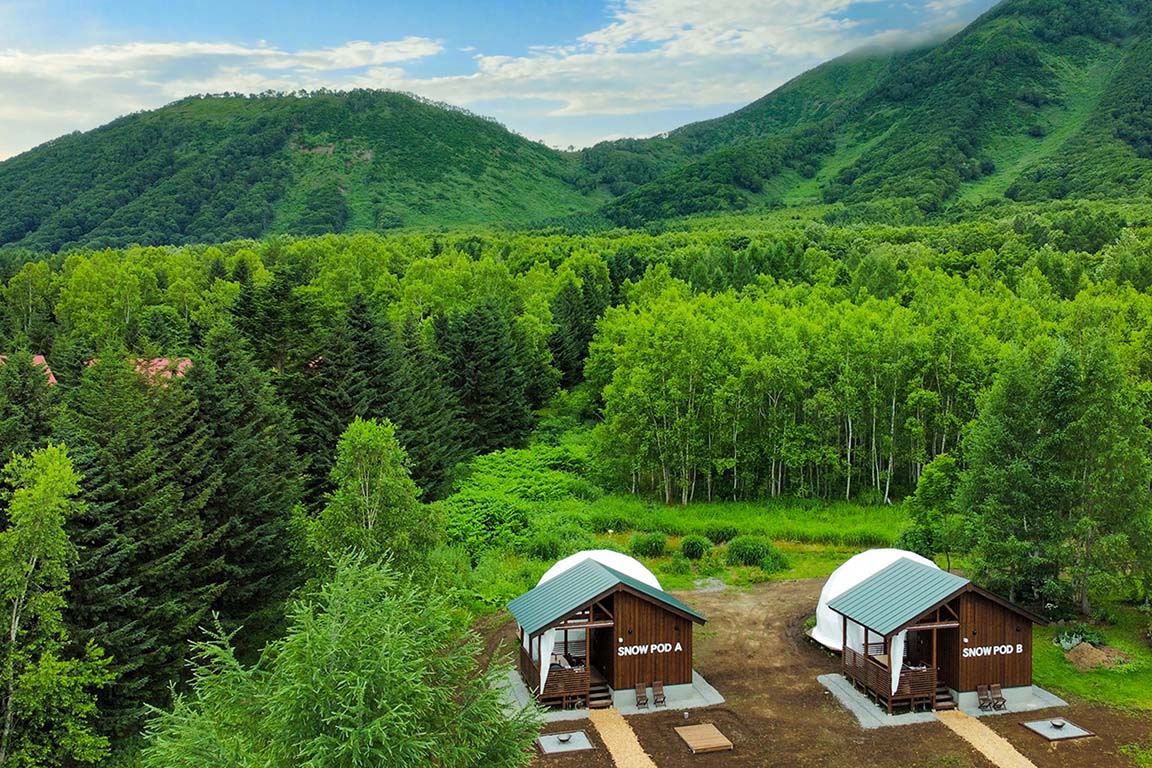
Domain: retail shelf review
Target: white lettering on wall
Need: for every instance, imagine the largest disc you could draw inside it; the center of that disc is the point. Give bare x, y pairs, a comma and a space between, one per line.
993, 650
644, 650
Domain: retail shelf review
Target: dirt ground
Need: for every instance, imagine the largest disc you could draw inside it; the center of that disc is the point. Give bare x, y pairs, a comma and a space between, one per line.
753, 651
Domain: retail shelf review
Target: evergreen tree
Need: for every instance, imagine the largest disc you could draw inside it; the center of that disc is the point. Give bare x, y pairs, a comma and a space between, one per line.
251, 442
349, 377
139, 585
482, 365
27, 405
427, 412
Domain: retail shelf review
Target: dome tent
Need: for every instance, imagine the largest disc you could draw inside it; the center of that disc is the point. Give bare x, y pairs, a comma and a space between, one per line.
617, 561
829, 629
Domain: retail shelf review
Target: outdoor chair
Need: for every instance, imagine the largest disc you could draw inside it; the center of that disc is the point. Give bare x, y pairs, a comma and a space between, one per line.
658, 694
985, 697
998, 700
641, 695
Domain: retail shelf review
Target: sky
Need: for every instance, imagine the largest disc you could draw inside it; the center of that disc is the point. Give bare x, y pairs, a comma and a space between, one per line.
565, 72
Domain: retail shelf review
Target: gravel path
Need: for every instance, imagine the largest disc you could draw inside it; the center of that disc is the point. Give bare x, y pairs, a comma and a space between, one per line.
620, 739
986, 741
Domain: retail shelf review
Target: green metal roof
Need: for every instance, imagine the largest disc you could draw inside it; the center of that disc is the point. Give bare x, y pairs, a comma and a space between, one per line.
891, 598
560, 595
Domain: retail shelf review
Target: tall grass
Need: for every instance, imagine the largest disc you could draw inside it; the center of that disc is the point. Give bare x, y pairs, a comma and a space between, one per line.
837, 524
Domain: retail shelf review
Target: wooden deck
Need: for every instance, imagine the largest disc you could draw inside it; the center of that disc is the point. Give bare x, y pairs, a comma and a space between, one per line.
915, 688
703, 738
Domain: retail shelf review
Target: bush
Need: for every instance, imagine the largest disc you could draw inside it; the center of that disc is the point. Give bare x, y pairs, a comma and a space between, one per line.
649, 544
695, 547
679, 565
916, 539
719, 533
552, 540
774, 562
752, 550
478, 521
1072, 635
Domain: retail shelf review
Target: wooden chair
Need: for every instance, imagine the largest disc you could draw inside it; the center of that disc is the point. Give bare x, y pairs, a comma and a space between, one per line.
997, 695
658, 694
641, 696
985, 697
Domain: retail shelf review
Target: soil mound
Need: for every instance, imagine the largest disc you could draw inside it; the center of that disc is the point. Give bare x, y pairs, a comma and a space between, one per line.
1086, 656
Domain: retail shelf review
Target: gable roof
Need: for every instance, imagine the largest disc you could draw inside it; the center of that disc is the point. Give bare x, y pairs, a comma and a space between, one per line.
897, 595
581, 584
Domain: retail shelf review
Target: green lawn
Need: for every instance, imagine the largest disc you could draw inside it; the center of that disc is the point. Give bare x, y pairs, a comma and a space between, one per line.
1126, 687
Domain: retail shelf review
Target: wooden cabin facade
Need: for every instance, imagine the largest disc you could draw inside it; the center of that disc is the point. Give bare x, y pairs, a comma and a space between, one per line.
600, 630
951, 637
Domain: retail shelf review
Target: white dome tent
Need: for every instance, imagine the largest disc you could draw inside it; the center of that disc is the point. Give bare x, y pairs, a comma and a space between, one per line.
829, 630
829, 627
617, 561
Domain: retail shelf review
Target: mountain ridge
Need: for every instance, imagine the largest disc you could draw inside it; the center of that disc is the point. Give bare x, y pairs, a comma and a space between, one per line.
1035, 100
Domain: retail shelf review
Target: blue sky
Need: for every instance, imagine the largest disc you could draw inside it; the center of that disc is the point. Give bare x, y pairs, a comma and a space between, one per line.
566, 73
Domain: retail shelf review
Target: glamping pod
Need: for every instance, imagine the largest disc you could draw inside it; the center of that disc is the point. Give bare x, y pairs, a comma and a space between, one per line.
914, 635
597, 621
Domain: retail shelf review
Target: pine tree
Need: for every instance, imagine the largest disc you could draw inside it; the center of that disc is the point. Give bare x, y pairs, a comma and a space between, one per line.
482, 367
27, 405
349, 376
427, 412
251, 442
139, 585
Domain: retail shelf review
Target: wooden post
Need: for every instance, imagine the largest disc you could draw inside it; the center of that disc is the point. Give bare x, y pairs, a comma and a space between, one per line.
934, 671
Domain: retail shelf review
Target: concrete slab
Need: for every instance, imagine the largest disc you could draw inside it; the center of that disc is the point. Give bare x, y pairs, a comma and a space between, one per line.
1027, 698
692, 695
867, 712
555, 742
1051, 731
517, 697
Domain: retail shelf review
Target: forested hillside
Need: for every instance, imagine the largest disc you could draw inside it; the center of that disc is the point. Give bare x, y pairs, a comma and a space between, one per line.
1036, 100
223, 167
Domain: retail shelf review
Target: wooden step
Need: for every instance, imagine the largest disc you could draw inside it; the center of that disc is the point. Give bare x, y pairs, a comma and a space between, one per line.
942, 705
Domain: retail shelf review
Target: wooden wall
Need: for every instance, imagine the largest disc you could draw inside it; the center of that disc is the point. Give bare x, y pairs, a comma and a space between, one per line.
641, 623
984, 623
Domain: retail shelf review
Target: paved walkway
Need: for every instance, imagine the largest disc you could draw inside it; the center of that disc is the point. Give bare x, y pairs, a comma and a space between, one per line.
986, 741
620, 739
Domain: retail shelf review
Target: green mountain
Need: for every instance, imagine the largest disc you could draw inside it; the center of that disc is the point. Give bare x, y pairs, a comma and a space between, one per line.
1036, 100
217, 168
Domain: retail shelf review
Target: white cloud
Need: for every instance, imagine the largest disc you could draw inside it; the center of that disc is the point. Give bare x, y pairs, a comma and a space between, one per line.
653, 56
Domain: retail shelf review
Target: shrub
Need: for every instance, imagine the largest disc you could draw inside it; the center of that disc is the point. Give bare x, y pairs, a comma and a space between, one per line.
478, 521
774, 562
679, 565
554, 539
649, 544
750, 550
1072, 635
719, 533
695, 547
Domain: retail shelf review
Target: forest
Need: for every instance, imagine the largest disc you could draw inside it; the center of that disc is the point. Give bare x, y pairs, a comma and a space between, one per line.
238, 445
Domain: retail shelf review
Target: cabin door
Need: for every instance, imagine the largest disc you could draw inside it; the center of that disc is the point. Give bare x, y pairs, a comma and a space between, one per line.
602, 650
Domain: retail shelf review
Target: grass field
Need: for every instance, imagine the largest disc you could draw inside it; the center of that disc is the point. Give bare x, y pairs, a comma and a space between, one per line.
1124, 687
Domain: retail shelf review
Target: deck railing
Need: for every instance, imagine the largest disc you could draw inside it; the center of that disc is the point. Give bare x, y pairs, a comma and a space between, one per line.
565, 687
915, 686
